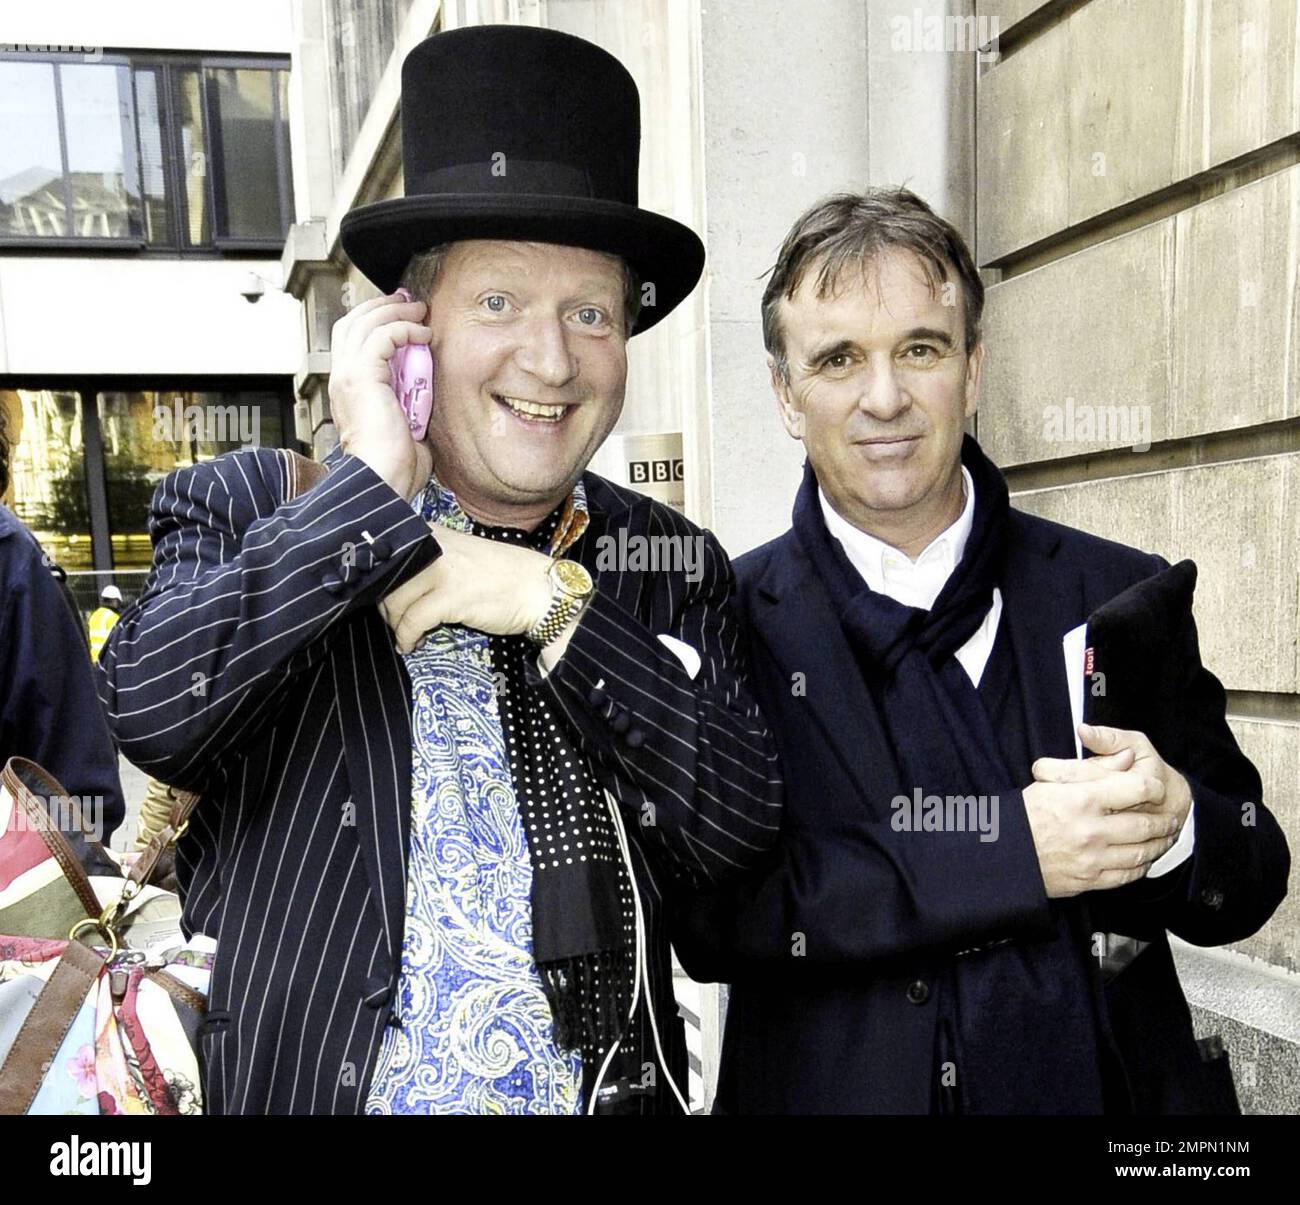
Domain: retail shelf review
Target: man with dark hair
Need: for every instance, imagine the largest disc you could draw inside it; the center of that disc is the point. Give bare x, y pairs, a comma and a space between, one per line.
964, 916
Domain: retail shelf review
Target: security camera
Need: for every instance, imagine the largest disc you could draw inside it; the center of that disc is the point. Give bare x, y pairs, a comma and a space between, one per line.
252, 289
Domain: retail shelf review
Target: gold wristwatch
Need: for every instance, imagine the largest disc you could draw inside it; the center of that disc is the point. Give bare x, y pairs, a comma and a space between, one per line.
571, 588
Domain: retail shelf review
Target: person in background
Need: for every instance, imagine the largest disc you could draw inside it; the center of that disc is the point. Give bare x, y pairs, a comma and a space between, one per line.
155, 809
49, 711
103, 618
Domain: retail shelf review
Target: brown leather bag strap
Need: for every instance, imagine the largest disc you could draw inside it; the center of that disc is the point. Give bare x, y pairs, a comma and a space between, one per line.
176, 989
144, 866
45, 1027
37, 818
48, 1022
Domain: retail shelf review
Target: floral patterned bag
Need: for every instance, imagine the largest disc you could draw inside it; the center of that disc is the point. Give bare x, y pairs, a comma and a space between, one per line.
100, 994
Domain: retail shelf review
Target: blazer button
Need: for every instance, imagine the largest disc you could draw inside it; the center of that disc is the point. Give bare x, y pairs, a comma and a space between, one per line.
597, 697
621, 722
1211, 897
214, 1022
332, 582
918, 991
634, 738
382, 549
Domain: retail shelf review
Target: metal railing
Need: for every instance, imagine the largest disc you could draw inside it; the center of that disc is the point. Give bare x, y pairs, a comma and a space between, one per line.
85, 585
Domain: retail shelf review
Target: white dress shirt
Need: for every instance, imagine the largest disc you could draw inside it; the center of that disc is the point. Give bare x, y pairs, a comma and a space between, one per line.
917, 583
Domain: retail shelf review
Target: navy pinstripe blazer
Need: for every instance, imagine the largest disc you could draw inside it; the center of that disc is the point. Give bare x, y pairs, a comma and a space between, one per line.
256, 669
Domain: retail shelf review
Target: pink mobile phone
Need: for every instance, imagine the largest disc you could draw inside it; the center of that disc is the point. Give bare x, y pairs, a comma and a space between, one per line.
412, 371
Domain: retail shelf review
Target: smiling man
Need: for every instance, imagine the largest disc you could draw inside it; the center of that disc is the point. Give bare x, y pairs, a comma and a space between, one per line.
454, 763
515, 423
962, 916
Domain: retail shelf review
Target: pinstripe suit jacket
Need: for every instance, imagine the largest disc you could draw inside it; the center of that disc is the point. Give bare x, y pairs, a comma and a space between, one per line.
256, 669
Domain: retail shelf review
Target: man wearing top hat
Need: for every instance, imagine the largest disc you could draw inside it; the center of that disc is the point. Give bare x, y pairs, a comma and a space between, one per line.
453, 765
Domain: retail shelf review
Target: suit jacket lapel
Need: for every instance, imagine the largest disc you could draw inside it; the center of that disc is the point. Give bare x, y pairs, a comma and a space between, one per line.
798, 626
1043, 598
374, 694
374, 697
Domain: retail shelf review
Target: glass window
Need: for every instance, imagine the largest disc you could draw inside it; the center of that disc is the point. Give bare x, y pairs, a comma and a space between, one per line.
176, 151
193, 158
153, 168
209, 424
246, 130
148, 433
98, 119
286, 153
361, 35
32, 201
47, 469
134, 463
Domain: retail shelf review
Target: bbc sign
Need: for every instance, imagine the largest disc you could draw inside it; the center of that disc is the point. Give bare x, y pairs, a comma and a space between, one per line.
652, 464
654, 472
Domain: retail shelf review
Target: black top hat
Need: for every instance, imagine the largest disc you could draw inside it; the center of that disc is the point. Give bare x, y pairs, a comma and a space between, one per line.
513, 132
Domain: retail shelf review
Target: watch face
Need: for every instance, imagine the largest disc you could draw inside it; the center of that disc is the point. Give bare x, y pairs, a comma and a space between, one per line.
573, 577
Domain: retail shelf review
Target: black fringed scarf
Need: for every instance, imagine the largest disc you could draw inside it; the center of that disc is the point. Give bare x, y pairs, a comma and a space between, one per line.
584, 936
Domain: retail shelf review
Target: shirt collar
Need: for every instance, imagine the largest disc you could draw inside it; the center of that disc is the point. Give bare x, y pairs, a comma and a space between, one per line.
554, 535
867, 554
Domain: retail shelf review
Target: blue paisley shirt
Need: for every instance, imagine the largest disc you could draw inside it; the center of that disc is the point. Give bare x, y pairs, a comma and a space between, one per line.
476, 1032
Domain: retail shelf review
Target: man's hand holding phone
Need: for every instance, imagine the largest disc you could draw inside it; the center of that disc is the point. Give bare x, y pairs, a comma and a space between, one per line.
371, 423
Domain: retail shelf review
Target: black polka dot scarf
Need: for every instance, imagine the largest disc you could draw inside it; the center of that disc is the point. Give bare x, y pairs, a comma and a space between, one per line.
584, 930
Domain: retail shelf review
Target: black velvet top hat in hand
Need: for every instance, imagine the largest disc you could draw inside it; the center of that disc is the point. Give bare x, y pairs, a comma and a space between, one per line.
1139, 641
513, 132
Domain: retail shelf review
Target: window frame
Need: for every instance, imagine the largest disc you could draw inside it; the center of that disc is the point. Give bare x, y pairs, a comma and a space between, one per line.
89, 385
168, 65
